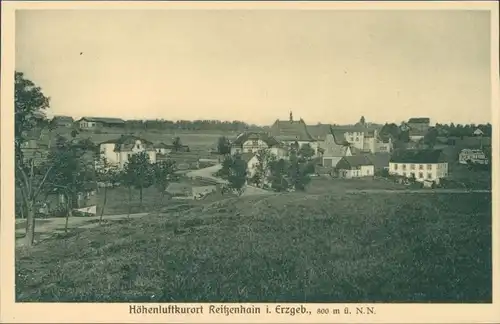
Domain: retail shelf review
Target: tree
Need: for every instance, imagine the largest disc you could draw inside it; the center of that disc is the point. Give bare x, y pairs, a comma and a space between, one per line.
223, 145
177, 144
277, 174
30, 105
263, 157
73, 172
107, 174
299, 171
234, 169
306, 152
430, 138
139, 173
164, 173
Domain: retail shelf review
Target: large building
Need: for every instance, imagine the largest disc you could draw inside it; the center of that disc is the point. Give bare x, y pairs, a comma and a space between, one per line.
118, 151
98, 122
363, 139
293, 131
430, 165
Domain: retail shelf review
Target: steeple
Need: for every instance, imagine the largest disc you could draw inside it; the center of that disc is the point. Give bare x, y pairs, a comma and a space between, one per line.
291, 117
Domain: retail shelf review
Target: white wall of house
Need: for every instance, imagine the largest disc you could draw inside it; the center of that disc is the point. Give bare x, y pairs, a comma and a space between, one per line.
356, 139
416, 138
425, 171
253, 146
251, 166
475, 156
87, 124
362, 171
120, 158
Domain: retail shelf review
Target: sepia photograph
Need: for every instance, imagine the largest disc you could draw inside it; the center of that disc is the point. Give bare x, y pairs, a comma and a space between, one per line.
244, 155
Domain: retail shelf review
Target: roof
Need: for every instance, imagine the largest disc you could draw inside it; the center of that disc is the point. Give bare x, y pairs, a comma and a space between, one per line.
163, 145
419, 120
380, 159
332, 147
127, 142
291, 131
63, 118
417, 156
247, 156
266, 138
105, 120
320, 131
353, 161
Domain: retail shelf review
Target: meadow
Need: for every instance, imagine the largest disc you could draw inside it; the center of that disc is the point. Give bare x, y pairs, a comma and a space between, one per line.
378, 247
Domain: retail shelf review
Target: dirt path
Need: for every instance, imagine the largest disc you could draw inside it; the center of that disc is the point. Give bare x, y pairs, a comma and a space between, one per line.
46, 227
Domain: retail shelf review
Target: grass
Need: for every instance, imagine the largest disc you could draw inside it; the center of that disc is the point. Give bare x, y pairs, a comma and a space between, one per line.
282, 248
329, 185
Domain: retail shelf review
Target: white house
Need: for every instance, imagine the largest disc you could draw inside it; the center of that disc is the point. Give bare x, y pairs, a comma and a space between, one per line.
252, 162
423, 165
473, 155
355, 166
118, 151
253, 142
363, 139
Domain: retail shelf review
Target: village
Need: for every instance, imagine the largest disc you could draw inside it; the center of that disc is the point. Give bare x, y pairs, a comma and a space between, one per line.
251, 156
413, 154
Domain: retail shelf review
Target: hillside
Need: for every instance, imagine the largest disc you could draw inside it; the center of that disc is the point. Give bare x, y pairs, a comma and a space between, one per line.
314, 248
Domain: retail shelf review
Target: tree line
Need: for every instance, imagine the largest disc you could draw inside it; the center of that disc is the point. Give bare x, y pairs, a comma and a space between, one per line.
190, 125
71, 167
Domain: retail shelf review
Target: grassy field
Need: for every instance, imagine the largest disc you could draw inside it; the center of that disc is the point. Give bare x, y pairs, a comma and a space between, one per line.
195, 140
328, 185
290, 247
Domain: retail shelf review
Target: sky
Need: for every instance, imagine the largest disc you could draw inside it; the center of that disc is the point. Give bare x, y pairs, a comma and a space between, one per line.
325, 66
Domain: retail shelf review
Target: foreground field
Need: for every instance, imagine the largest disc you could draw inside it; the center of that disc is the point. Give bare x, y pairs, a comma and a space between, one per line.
314, 248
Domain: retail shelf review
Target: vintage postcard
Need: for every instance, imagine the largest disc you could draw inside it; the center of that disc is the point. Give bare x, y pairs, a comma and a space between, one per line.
249, 162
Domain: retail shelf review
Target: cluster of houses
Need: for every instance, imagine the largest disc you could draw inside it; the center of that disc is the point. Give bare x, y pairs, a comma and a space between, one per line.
353, 152
346, 152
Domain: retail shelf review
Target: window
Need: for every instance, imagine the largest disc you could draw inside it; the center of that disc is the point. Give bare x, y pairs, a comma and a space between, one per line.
129, 155
412, 166
255, 142
404, 166
395, 166
357, 139
421, 175
429, 175
429, 166
421, 167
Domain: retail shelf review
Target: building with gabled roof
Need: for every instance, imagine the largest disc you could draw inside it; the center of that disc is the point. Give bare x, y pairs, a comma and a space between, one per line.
64, 121
428, 164
118, 151
293, 132
96, 122
355, 166
334, 150
252, 142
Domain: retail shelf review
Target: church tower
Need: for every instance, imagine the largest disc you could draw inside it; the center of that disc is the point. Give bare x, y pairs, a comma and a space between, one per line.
291, 117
